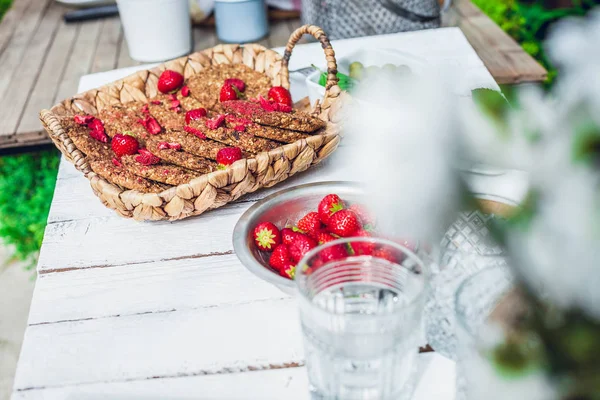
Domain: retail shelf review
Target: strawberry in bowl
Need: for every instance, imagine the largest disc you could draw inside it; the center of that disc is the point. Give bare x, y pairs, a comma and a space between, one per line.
276, 234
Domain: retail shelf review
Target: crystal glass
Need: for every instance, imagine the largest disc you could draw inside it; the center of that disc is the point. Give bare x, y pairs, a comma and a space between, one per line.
482, 303
361, 320
453, 269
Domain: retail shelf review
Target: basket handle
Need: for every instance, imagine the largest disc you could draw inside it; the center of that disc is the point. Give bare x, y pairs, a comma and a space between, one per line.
319, 34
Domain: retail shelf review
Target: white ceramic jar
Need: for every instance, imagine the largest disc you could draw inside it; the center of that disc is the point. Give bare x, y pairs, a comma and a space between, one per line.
241, 21
156, 30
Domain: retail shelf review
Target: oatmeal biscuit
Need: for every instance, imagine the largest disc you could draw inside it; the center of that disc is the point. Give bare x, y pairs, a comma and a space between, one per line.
206, 85
182, 158
165, 173
124, 120
200, 147
122, 177
295, 120
80, 136
245, 141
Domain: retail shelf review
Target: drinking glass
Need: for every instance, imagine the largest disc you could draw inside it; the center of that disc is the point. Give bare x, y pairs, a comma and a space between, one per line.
454, 268
361, 320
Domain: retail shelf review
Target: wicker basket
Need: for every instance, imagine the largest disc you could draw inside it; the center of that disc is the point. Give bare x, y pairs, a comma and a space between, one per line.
216, 188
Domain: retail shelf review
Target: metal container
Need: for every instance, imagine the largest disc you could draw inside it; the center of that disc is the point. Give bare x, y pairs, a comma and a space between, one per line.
283, 208
241, 21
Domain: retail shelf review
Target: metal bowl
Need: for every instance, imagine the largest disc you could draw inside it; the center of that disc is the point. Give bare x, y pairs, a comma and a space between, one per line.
283, 208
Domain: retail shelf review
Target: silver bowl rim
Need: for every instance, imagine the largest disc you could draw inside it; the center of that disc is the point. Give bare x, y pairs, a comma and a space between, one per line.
242, 228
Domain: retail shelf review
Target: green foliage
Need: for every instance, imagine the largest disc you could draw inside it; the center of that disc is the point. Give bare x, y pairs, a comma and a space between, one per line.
26, 188
528, 23
4, 5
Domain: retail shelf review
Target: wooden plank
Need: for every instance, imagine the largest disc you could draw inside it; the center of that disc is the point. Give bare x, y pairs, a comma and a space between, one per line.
160, 286
501, 54
11, 20
13, 53
80, 60
125, 59
51, 74
15, 97
107, 52
204, 38
254, 336
275, 384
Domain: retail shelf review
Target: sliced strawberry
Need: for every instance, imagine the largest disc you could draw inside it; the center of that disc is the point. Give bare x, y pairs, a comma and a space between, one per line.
83, 119
146, 157
185, 91
97, 130
215, 122
152, 126
266, 236
116, 162
194, 115
280, 257
156, 103
266, 104
196, 132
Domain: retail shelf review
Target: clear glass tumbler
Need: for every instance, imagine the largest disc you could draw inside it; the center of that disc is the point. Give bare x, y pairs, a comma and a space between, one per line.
361, 319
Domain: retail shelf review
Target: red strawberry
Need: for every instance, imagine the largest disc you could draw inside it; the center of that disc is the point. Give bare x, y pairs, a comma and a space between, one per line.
146, 157
288, 271
152, 126
387, 254
229, 155
362, 248
280, 95
332, 253
215, 122
175, 105
266, 104
301, 245
116, 162
266, 236
167, 145
169, 80
325, 237
329, 205
363, 214
195, 114
155, 102
83, 119
282, 107
343, 223
280, 257
194, 131
240, 128
311, 224
238, 83
228, 92
124, 145
185, 91
97, 130
287, 236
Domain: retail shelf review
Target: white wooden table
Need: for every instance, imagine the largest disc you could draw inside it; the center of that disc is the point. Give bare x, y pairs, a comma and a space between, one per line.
131, 310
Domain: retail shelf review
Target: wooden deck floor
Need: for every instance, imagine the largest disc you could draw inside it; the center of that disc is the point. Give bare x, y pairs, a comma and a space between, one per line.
42, 58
